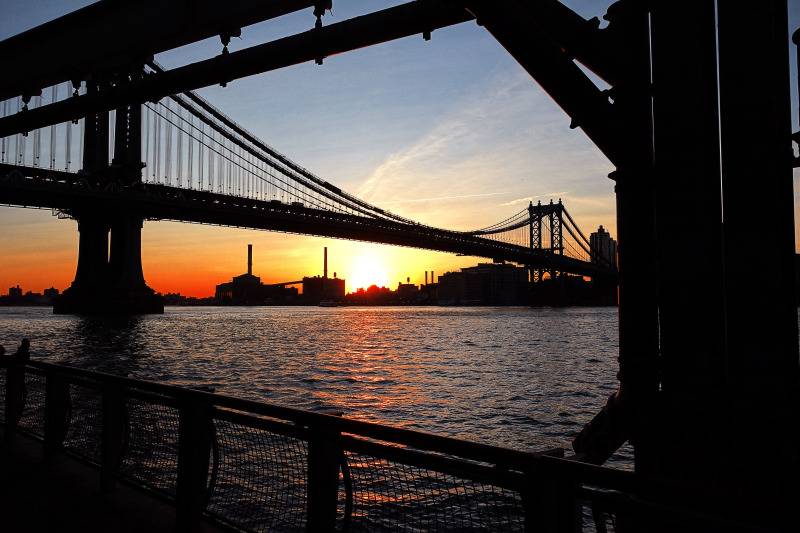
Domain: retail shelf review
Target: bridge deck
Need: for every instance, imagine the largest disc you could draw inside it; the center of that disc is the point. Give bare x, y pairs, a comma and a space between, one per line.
65, 495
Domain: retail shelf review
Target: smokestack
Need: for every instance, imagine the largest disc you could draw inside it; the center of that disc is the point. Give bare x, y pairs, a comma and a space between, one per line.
325, 267
249, 258
433, 280
426, 277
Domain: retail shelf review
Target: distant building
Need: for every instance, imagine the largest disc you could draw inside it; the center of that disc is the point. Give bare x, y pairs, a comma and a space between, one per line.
50, 294
407, 292
317, 289
604, 248
15, 292
484, 284
247, 289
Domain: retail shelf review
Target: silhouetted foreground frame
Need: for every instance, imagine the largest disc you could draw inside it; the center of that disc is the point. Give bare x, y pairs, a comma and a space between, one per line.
252, 466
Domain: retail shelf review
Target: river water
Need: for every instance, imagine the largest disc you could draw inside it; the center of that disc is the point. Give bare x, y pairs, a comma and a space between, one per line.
521, 377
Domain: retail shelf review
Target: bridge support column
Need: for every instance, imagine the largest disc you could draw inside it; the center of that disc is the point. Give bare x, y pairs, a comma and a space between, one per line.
127, 288
92, 270
104, 287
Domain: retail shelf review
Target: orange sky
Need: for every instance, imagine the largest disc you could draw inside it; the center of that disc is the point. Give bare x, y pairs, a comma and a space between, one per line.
192, 259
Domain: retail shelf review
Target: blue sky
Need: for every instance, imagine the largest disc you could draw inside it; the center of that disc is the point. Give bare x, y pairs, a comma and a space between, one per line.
450, 132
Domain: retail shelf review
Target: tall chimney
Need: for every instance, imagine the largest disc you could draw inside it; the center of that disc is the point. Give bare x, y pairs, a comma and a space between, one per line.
249, 258
426, 277
433, 280
325, 267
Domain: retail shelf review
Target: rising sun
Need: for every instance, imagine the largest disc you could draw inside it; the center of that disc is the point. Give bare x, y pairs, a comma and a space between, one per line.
367, 270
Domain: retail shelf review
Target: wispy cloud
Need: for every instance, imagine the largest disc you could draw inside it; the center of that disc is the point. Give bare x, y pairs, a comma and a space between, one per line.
437, 198
527, 199
504, 135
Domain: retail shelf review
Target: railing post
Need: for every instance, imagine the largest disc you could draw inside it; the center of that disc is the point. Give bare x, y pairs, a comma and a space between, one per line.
113, 434
194, 448
324, 452
15, 398
549, 501
56, 403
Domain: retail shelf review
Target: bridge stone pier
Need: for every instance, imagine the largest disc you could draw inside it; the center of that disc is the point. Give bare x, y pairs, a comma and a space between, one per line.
110, 280
109, 283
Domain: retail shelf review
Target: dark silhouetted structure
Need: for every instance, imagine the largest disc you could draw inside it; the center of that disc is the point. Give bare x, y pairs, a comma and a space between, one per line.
694, 114
603, 247
323, 289
247, 289
484, 284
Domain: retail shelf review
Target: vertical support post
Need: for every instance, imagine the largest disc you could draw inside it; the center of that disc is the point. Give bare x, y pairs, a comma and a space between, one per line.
324, 452
761, 369
549, 502
113, 434
56, 410
15, 398
689, 220
638, 313
194, 448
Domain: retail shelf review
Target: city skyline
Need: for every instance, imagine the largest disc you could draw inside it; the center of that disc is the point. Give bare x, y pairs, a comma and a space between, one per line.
476, 149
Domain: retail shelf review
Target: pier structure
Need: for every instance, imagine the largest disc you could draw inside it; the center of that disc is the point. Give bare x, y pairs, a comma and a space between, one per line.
109, 277
103, 452
694, 115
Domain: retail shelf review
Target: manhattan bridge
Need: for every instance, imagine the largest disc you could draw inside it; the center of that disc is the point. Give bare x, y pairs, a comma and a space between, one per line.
113, 145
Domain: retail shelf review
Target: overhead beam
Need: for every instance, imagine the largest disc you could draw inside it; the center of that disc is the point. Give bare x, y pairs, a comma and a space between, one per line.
109, 35
552, 67
582, 39
359, 32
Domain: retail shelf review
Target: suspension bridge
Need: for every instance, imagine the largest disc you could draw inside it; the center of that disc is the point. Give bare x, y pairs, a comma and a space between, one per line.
177, 157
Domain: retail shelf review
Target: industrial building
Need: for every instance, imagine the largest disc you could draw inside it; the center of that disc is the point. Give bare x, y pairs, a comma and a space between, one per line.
247, 289
484, 284
318, 289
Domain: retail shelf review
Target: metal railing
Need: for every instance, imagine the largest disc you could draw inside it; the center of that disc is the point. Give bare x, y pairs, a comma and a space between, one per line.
251, 466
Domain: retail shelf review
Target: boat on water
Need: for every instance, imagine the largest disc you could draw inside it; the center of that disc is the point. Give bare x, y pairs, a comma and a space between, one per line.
329, 303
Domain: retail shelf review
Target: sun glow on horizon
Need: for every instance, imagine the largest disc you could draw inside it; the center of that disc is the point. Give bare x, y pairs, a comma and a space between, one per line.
365, 270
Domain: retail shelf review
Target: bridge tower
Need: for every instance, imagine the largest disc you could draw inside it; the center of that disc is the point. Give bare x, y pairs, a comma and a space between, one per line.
109, 279
535, 227
556, 222
555, 246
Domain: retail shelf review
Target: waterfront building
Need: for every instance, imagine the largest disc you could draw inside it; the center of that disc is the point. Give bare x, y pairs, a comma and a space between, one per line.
484, 284
603, 247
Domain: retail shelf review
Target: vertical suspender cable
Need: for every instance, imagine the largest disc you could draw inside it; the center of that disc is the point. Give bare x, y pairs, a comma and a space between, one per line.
3, 140
200, 159
37, 136
189, 158
157, 149
147, 140
68, 149
179, 152
53, 98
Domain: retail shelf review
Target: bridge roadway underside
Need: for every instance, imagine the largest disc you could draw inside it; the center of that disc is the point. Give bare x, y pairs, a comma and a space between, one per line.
63, 494
30, 187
